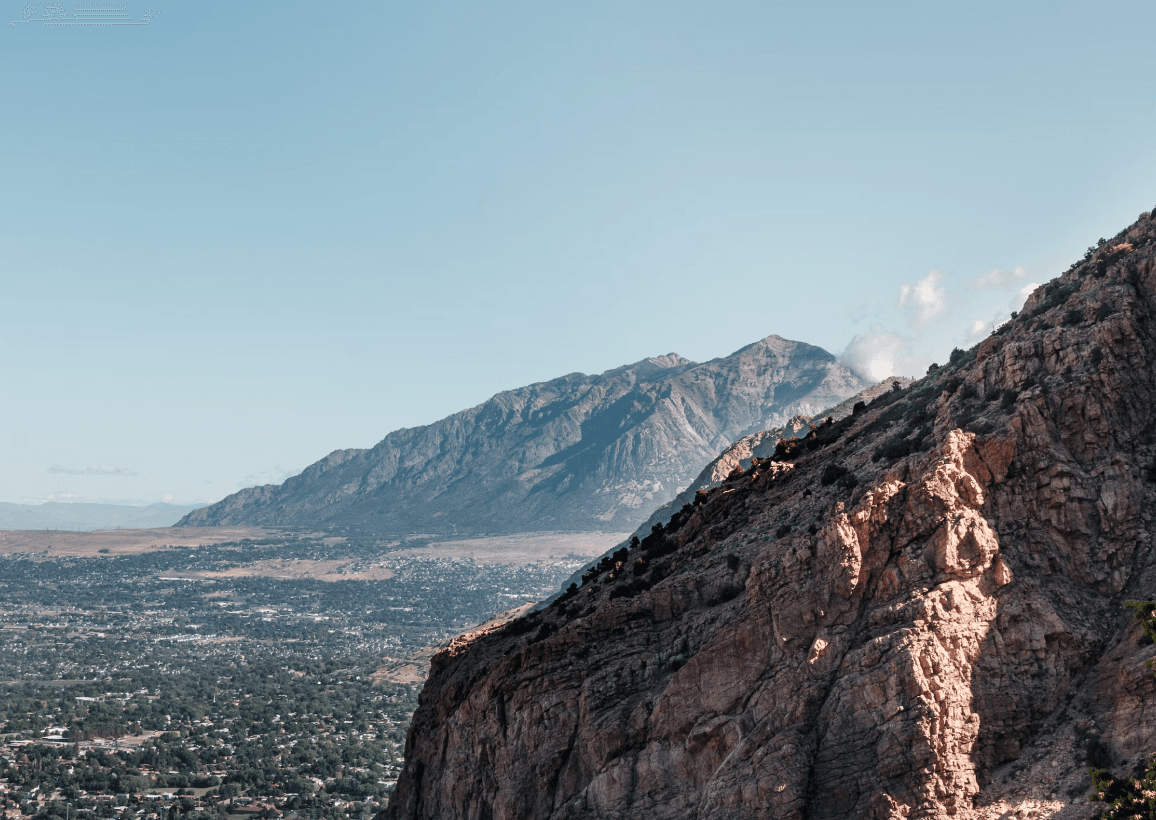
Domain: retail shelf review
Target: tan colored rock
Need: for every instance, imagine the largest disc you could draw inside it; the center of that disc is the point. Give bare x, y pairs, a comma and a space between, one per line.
943, 636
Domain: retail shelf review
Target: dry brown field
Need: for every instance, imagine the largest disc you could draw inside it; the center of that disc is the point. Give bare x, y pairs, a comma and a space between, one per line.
522, 548
50, 544
289, 569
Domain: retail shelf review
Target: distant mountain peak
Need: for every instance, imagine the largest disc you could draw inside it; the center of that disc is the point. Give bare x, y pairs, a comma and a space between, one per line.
581, 452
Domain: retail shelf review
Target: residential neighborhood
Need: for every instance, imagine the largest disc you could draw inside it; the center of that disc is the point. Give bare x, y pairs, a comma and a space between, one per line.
212, 682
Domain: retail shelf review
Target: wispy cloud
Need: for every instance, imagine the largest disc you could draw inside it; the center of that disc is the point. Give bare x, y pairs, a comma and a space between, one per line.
274, 475
937, 316
1005, 281
923, 301
76, 498
98, 469
1021, 296
1000, 279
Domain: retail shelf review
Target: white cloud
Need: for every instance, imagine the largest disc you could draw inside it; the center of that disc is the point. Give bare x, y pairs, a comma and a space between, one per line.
92, 470
923, 301
981, 328
877, 354
276, 475
1014, 280
939, 313
1000, 279
1017, 301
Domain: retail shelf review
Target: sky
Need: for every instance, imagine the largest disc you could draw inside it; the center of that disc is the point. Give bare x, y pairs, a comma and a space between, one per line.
235, 237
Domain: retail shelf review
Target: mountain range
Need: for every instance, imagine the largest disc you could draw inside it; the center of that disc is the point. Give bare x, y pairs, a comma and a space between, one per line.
56, 515
578, 453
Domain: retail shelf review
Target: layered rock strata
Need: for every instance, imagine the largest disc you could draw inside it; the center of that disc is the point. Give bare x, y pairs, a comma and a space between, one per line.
915, 612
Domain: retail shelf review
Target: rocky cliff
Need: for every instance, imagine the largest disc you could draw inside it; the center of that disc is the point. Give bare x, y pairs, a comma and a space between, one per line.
914, 612
576, 453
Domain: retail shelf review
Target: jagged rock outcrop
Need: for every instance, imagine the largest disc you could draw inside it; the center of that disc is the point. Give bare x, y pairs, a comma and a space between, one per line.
576, 453
914, 612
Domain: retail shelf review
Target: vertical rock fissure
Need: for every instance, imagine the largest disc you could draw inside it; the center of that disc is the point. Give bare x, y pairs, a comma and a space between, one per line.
564, 760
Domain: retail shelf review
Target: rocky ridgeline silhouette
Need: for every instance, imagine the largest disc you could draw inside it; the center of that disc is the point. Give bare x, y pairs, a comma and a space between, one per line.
917, 611
576, 453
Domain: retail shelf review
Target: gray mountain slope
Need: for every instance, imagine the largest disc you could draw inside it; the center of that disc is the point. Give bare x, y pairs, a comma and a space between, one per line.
739, 454
760, 445
576, 453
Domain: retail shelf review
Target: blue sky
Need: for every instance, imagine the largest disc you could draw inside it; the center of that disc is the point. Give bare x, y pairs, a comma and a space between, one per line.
244, 235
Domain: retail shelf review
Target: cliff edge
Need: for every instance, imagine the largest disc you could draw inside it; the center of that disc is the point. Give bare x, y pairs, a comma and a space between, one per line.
917, 611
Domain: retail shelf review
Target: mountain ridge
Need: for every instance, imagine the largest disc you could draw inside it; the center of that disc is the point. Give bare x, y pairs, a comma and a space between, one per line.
90, 516
579, 452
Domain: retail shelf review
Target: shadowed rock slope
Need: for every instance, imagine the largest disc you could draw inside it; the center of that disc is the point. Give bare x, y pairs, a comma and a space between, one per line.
576, 453
915, 612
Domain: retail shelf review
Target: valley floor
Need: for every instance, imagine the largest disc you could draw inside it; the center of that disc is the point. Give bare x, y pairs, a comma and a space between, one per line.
234, 672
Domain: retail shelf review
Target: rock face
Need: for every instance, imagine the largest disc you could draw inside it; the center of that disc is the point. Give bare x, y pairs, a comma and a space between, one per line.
577, 453
915, 612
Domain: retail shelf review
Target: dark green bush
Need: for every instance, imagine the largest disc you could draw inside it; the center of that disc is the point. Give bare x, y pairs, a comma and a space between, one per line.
893, 450
887, 397
831, 474
1126, 796
521, 626
788, 449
